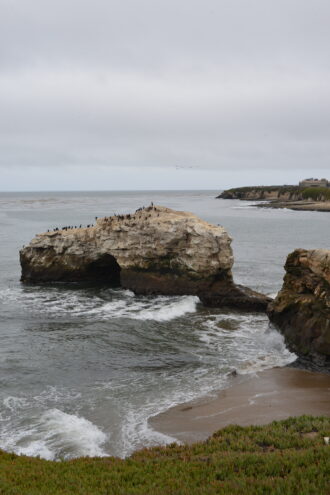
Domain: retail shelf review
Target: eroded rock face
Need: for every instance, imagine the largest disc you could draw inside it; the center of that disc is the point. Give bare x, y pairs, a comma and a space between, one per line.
156, 250
301, 309
263, 193
153, 243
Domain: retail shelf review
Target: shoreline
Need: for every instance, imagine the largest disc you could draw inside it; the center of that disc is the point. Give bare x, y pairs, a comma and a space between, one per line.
323, 206
266, 396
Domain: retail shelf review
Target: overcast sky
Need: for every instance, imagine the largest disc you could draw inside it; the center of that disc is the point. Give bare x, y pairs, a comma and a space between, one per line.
163, 94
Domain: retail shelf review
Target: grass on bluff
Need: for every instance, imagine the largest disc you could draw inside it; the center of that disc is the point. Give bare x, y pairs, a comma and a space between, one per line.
282, 189
317, 193
284, 458
242, 192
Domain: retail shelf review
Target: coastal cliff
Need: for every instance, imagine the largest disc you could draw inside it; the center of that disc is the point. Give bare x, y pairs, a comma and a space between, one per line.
156, 250
263, 193
301, 309
292, 197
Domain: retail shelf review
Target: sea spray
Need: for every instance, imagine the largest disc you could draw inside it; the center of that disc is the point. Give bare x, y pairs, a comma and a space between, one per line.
59, 435
104, 304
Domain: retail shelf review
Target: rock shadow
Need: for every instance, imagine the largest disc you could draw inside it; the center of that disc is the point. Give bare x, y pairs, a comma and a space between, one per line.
105, 269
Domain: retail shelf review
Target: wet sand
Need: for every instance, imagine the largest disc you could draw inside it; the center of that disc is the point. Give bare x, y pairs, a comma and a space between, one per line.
269, 395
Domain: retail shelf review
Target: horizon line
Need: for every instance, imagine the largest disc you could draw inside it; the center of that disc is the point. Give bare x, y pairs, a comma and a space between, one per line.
102, 190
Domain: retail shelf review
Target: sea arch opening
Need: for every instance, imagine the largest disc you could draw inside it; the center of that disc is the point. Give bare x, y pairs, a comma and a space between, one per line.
104, 269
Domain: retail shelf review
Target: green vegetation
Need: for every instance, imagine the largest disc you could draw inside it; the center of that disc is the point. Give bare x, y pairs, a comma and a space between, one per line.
317, 193
259, 191
284, 458
295, 193
285, 188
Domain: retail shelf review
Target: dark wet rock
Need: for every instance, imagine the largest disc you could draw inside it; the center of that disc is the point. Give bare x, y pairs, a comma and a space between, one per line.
231, 295
301, 309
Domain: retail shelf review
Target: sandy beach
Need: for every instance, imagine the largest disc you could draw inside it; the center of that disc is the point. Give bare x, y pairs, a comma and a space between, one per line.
269, 395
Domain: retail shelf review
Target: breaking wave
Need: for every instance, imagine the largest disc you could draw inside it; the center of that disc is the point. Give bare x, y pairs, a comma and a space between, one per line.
257, 344
57, 435
107, 304
157, 309
134, 370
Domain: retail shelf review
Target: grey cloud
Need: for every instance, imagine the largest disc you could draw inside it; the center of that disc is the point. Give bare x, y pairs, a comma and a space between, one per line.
160, 33
208, 85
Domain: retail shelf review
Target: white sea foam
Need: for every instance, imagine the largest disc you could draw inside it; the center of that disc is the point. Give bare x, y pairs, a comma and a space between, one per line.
128, 293
249, 341
168, 310
146, 308
36, 448
56, 435
14, 403
68, 432
245, 207
219, 341
136, 430
122, 304
50, 301
56, 395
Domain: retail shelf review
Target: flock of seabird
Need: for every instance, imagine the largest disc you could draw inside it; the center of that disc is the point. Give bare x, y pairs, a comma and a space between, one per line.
116, 216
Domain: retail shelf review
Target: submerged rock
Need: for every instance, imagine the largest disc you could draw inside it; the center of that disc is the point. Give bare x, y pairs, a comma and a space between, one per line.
301, 309
227, 293
156, 250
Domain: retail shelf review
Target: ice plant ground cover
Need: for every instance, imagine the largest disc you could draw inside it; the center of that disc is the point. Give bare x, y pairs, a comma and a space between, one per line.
285, 457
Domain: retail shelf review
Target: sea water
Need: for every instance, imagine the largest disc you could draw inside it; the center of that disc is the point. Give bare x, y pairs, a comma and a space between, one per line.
82, 368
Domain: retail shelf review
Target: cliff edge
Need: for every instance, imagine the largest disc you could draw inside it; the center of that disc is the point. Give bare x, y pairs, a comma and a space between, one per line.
292, 197
262, 193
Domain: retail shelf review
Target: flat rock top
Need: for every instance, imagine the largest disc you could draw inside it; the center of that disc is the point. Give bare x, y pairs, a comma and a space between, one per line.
158, 216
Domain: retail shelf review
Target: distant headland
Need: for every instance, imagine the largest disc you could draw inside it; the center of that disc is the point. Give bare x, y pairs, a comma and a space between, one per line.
310, 194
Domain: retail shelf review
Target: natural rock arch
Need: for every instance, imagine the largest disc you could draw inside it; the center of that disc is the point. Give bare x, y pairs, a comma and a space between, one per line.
104, 269
155, 250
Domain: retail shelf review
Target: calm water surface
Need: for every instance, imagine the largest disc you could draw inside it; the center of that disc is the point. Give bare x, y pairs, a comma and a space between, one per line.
82, 368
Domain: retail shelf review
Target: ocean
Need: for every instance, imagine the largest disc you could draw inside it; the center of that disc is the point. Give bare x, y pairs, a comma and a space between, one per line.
82, 368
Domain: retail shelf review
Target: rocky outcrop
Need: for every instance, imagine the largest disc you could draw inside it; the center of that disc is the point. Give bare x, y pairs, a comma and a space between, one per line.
301, 309
292, 197
227, 293
156, 250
